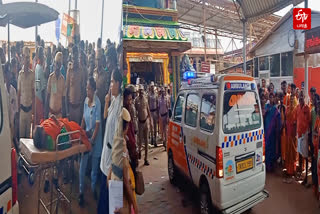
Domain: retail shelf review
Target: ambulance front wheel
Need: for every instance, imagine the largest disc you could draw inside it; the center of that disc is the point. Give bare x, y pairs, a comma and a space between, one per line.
172, 169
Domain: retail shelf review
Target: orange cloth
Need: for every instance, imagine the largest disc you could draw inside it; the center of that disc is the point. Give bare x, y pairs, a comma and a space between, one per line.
53, 127
73, 126
303, 119
283, 144
286, 99
291, 141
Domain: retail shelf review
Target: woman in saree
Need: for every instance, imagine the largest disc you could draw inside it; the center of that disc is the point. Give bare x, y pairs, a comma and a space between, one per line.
315, 125
283, 138
291, 144
316, 133
263, 102
272, 125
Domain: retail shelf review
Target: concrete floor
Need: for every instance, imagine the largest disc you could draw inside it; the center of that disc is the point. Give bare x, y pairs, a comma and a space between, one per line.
28, 197
162, 197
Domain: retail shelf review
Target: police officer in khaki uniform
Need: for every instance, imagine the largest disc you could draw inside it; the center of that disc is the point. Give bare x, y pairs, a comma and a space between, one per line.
26, 95
132, 110
163, 115
153, 106
56, 90
143, 113
75, 89
166, 94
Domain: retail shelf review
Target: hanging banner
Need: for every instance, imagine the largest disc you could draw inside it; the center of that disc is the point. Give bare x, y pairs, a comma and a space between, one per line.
67, 27
205, 67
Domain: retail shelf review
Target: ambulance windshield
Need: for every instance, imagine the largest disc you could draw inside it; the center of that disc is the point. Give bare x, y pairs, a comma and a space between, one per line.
241, 111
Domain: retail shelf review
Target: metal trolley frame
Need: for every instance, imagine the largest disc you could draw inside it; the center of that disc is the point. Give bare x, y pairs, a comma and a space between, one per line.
55, 170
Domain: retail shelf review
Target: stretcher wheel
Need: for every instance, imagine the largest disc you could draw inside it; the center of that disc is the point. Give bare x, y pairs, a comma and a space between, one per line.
31, 178
46, 186
20, 164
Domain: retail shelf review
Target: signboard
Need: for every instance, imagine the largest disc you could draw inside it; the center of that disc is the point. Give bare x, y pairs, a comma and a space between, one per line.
301, 18
67, 27
145, 58
237, 86
312, 41
205, 67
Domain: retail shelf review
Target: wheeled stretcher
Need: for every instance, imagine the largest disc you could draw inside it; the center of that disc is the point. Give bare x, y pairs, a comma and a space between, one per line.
44, 163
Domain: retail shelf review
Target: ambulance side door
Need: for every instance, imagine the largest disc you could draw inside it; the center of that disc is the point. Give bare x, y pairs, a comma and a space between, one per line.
191, 133
5, 151
175, 135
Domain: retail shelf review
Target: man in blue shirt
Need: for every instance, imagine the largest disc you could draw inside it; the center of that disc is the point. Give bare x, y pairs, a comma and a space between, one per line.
91, 123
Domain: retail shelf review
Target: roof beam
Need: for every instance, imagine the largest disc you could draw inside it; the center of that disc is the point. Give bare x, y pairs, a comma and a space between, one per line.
186, 11
209, 30
207, 19
222, 16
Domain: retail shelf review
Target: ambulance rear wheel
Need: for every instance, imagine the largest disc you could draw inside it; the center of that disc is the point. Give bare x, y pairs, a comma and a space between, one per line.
172, 169
205, 199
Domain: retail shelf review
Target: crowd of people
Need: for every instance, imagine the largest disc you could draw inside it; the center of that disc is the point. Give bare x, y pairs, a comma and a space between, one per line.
149, 108
79, 83
292, 128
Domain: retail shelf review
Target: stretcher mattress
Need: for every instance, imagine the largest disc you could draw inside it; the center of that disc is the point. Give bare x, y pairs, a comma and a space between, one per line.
36, 156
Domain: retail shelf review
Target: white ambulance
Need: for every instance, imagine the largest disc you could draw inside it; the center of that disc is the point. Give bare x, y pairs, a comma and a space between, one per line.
8, 166
216, 139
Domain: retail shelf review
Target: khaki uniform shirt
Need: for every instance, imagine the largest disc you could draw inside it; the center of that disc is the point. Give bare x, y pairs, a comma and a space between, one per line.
141, 104
56, 89
153, 99
75, 85
163, 105
26, 86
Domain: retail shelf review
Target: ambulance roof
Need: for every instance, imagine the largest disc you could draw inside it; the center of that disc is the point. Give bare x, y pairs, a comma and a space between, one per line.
211, 81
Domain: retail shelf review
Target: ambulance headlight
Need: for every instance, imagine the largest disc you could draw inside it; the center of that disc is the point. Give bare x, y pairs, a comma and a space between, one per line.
253, 86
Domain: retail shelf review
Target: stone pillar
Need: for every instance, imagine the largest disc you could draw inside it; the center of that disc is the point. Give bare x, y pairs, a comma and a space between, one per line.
175, 59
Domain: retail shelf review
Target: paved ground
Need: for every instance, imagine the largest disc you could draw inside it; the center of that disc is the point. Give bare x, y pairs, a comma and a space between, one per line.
162, 197
28, 196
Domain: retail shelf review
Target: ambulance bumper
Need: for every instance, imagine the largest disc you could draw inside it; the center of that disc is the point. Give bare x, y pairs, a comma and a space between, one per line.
15, 208
247, 204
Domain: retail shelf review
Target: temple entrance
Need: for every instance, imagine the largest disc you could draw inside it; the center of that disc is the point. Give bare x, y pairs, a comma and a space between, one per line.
145, 72
147, 67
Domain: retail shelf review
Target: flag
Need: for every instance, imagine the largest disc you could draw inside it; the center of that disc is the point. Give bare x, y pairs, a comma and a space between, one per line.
58, 28
67, 27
